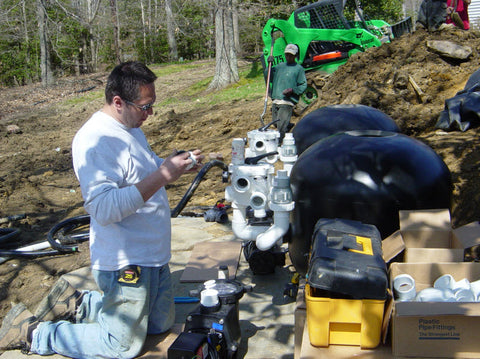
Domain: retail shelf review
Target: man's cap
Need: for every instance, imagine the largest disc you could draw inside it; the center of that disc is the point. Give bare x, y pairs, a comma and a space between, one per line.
291, 49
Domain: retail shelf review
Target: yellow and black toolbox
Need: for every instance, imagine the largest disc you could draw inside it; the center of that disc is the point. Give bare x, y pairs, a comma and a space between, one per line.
347, 284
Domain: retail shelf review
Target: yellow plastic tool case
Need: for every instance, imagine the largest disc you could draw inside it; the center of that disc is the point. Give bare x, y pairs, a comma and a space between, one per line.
346, 284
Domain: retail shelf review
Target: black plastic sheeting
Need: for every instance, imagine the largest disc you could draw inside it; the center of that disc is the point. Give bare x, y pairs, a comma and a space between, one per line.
366, 176
463, 110
329, 120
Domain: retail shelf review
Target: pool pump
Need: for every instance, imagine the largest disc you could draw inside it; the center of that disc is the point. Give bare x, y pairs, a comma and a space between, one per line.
212, 329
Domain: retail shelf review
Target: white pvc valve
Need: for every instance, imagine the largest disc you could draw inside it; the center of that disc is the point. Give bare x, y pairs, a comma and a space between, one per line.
281, 192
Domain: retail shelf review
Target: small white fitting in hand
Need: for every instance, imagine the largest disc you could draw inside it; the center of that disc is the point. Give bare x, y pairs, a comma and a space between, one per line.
194, 161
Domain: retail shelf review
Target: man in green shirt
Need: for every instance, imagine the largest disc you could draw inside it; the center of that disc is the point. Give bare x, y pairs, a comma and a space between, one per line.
288, 83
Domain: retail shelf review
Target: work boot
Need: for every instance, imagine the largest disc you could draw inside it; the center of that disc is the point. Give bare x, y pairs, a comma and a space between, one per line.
60, 304
17, 328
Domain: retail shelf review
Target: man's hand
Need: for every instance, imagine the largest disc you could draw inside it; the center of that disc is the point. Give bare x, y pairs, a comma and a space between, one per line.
195, 157
184, 161
169, 171
288, 92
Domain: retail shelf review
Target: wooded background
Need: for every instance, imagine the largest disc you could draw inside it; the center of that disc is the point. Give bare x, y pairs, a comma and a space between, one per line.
41, 40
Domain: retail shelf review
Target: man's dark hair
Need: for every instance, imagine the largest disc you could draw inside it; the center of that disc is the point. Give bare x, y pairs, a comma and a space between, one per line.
126, 79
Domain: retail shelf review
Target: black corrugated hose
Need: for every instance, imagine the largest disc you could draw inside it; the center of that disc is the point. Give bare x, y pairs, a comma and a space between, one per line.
207, 167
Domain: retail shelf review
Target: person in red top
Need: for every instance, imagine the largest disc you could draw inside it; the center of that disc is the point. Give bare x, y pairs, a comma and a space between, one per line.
461, 8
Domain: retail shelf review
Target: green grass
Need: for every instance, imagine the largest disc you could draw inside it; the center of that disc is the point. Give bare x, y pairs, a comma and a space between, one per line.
250, 86
167, 69
244, 89
87, 97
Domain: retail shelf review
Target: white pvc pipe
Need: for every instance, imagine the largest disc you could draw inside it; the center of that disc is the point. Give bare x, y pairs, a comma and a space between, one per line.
281, 222
287, 166
35, 247
31, 247
240, 227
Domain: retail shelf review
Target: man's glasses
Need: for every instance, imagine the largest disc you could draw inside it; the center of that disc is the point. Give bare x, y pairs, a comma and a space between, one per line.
146, 107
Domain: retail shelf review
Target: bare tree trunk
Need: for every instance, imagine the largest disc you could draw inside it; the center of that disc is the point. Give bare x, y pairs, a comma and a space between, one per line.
226, 68
116, 36
144, 30
27, 39
150, 27
45, 65
172, 42
93, 52
236, 31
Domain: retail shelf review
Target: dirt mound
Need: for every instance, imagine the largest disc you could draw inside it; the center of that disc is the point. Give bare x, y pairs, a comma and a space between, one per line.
36, 178
380, 78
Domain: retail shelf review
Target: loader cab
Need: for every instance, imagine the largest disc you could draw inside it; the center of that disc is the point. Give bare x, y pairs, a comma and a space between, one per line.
327, 14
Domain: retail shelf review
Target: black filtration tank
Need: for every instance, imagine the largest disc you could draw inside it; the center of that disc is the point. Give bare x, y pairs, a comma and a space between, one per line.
328, 120
367, 176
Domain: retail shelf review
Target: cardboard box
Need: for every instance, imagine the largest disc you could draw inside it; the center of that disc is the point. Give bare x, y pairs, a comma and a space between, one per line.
436, 329
427, 236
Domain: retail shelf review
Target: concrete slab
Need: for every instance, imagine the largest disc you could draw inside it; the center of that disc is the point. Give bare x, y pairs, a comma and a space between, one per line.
266, 318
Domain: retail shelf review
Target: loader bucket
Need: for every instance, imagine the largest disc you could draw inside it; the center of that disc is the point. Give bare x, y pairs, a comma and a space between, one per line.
402, 27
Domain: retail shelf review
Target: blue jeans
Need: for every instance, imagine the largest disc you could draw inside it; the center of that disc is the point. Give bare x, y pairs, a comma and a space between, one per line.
116, 324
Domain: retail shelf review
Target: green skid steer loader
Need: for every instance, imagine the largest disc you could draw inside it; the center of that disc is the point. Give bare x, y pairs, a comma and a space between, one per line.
325, 39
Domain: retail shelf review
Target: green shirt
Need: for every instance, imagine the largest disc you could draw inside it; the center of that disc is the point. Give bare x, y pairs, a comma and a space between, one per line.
286, 76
